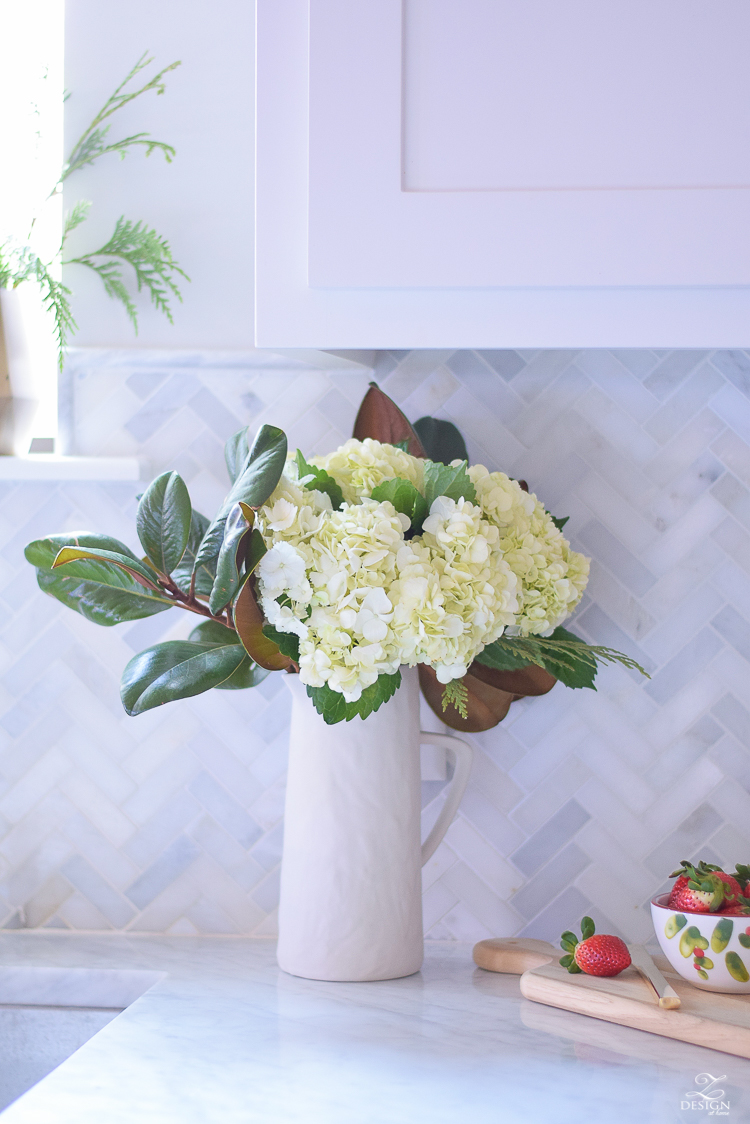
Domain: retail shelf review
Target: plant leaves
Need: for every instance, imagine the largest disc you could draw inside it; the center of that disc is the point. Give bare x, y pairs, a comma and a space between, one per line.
236, 452
441, 440
163, 521
333, 707
253, 486
237, 530
177, 669
79, 559
567, 657
206, 572
380, 418
528, 680
486, 705
102, 603
405, 498
442, 480
213, 632
43, 552
248, 620
248, 674
119, 598
559, 523
588, 928
286, 642
322, 481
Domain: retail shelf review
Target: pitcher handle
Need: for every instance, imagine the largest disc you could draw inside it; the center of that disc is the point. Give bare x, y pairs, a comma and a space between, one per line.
464, 755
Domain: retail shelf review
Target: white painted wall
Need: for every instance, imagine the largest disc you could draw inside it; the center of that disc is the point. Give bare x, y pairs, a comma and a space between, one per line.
203, 201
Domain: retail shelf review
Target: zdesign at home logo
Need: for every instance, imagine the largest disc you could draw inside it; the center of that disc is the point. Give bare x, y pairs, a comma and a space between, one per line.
707, 1097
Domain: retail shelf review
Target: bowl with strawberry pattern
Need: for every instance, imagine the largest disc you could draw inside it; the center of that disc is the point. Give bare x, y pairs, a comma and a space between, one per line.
703, 926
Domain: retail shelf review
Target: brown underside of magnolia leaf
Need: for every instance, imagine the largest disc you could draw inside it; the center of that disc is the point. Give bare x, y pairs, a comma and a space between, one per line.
380, 418
248, 621
531, 680
486, 705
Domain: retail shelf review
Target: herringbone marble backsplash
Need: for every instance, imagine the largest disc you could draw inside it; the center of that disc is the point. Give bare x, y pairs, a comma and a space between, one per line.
580, 802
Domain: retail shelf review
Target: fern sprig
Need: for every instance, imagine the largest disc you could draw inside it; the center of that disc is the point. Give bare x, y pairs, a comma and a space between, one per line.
150, 257
93, 142
455, 694
566, 652
23, 264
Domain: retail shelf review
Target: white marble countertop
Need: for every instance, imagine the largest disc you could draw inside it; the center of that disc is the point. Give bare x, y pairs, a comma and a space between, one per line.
224, 1037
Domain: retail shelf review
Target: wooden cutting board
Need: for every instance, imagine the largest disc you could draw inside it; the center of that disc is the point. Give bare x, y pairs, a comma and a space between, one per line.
720, 1022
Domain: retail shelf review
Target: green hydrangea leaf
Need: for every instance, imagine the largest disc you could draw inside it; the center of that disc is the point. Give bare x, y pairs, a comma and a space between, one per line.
321, 481
444, 480
405, 498
286, 642
333, 707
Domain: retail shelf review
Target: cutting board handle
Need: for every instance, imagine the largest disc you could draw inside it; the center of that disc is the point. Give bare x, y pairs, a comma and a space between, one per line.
514, 955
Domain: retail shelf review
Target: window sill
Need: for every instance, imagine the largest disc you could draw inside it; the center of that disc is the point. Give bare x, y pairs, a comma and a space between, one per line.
47, 466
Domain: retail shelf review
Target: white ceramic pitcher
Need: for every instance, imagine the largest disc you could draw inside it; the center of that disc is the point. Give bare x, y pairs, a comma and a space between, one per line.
351, 895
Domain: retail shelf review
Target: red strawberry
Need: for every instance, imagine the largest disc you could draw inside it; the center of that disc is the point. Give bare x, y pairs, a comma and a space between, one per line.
736, 909
600, 955
703, 889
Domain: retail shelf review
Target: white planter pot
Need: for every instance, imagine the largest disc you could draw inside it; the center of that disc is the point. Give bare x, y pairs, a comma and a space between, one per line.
351, 895
19, 336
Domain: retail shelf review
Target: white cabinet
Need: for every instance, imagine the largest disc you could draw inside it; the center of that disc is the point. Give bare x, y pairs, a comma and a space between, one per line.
495, 173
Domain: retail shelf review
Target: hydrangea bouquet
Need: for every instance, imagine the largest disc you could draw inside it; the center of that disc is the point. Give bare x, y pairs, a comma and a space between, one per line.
389, 551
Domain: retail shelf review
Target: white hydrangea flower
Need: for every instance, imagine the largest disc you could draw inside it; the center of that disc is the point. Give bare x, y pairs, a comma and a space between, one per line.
363, 600
552, 577
359, 466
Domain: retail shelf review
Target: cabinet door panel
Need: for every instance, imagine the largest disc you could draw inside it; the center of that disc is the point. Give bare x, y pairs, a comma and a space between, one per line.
294, 310
605, 146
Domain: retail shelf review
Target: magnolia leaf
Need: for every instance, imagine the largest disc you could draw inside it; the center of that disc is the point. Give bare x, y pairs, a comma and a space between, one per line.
206, 572
238, 534
248, 620
405, 498
213, 632
441, 440
80, 559
333, 707
443, 480
236, 452
163, 521
253, 486
286, 642
485, 705
116, 599
105, 597
43, 552
248, 674
177, 669
529, 680
322, 481
380, 418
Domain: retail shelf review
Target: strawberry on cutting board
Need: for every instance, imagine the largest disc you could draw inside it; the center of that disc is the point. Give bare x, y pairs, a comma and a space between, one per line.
705, 888
597, 954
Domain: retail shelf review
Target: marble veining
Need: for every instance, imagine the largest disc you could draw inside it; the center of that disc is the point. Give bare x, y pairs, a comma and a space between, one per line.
226, 1036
